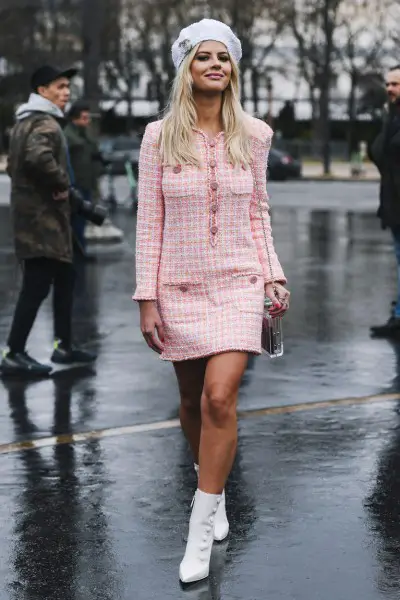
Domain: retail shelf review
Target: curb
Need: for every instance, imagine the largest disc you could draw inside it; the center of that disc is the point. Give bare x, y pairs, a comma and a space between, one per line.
343, 179
317, 178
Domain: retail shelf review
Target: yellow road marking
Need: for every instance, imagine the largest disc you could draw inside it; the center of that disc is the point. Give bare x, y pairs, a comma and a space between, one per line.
174, 423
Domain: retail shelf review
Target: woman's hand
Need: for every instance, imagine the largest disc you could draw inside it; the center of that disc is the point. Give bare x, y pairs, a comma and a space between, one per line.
150, 322
279, 296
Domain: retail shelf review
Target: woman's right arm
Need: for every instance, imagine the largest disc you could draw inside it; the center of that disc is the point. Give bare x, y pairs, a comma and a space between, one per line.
149, 234
150, 217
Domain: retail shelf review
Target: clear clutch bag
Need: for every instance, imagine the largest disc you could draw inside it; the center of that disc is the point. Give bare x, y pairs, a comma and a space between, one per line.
271, 333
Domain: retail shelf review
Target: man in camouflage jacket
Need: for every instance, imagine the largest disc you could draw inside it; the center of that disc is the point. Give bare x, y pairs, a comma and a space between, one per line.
41, 216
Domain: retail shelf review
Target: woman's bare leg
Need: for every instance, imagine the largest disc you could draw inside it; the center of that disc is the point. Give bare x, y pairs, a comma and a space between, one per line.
223, 374
218, 439
190, 375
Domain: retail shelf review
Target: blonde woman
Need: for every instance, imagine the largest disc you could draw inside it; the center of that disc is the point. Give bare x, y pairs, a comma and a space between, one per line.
202, 265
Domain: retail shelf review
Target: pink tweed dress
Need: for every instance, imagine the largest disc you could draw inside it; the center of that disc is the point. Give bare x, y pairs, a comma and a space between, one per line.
200, 248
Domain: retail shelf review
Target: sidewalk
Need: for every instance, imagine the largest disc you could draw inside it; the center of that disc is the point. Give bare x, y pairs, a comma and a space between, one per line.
97, 477
340, 171
311, 502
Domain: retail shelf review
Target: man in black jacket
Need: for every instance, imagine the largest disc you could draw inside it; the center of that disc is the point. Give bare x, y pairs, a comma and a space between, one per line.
86, 162
385, 153
41, 216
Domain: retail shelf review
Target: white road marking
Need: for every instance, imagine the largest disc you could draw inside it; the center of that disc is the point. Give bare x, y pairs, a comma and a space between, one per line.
74, 438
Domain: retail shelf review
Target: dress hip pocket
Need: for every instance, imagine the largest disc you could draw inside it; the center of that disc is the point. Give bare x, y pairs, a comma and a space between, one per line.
248, 292
181, 301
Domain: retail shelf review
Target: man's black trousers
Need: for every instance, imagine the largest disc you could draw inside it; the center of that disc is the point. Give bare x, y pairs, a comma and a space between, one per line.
39, 274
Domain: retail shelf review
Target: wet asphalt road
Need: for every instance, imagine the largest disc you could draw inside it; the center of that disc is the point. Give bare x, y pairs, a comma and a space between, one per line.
314, 496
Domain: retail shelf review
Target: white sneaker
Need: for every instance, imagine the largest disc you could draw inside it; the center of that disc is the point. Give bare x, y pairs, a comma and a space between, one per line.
195, 565
221, 525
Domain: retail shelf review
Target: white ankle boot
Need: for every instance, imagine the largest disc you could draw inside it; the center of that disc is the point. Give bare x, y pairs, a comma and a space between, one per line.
221, 524
196, 562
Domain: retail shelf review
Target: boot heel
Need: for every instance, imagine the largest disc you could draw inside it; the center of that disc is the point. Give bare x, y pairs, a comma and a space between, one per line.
221, 525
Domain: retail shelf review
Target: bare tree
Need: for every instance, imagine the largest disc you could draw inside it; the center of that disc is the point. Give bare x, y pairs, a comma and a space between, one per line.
259, 25
362, 46
394, 25
147, 31
57, 30
121, 67
18, 45
159, 25
34, 32
149, 28
92, 19
314, 24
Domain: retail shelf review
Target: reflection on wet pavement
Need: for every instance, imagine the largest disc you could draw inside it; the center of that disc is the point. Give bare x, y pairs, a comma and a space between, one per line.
313, 497
310, 508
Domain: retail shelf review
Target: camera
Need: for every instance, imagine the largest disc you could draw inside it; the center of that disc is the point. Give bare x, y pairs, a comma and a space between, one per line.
95, 213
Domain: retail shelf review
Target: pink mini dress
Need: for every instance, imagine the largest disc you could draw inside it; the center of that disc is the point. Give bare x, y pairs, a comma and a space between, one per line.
200, 246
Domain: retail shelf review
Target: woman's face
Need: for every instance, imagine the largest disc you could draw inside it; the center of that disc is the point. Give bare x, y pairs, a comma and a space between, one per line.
211, 68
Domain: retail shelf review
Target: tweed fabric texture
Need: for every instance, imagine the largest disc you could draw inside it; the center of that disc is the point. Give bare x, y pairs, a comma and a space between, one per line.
200, 247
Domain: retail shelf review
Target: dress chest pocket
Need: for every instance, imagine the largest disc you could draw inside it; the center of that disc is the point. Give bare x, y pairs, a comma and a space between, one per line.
180, 181
241, 183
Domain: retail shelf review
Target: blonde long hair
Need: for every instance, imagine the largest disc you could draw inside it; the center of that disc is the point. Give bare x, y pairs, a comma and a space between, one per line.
176, 140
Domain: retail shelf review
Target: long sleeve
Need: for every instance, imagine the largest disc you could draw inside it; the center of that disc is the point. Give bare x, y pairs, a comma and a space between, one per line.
376, 149
150, 217
40, 156
260, 220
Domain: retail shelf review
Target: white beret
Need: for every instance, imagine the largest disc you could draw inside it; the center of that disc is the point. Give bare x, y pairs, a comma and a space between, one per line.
202, 31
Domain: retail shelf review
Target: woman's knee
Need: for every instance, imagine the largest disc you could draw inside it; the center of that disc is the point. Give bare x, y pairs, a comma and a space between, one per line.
190, 375
190, 403
218, 404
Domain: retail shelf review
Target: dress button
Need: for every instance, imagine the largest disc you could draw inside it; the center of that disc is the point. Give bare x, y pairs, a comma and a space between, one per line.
183, 288
253, 279
214, 229
177, 169
214, 207
213, 164
214, 185
212, 143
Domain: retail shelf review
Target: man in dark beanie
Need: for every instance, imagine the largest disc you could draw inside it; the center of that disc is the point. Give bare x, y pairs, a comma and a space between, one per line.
41, 215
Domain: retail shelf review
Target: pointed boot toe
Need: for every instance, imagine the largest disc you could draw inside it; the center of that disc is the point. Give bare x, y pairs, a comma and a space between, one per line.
189, 571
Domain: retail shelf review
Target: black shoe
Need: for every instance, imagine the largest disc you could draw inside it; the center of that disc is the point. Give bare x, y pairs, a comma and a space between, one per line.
391, 329
20, 363
71, 355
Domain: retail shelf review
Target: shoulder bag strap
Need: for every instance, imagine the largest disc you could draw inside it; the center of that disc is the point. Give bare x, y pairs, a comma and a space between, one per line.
260, 208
